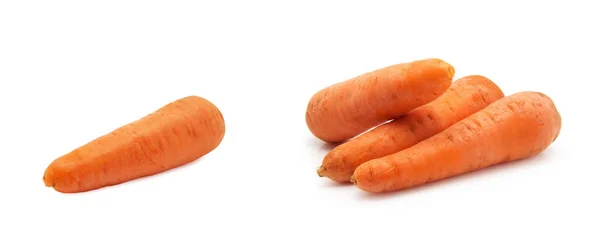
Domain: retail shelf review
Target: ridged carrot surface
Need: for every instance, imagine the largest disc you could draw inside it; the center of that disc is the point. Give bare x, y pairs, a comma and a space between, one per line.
176, 134
515, 127
346, 109
465, 96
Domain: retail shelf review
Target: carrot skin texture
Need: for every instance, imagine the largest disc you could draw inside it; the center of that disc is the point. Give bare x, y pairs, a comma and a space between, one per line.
515, 127
465, 96
175, 134
346, 109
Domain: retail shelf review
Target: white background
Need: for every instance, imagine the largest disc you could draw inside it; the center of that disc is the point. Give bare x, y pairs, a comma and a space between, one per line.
73, 70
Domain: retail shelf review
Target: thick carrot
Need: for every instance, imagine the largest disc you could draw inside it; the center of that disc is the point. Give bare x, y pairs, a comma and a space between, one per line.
346, 109
515, 127
465, 96
177, 133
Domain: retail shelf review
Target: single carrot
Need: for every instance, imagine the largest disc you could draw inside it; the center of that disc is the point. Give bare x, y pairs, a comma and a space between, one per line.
346, 109
177, 133
515, 127
465, 96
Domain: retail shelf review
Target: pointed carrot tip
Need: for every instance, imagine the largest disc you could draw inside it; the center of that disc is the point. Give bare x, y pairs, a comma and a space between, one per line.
321, 171
452, 71
48, 183
353, 180
48, 178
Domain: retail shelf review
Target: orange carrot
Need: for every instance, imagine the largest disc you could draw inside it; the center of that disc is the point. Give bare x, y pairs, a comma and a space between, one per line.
177, 133
514, 127
348, 108
465, 96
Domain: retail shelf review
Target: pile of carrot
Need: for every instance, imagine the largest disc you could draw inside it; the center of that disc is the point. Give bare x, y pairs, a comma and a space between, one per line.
396, 127
411, 123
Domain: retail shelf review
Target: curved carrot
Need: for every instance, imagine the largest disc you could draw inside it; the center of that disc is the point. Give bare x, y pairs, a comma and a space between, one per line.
176, 134
465, 96
515, 127
348, 108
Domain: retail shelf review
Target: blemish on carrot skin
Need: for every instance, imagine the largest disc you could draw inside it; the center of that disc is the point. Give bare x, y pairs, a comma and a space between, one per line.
476, 122
419, 121
391, 169
511, 107
411, 128
482, 97
468, 128
429, 116
491, 116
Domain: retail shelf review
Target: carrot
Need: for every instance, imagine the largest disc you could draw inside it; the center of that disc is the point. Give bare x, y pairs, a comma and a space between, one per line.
177, 133
514, 127
346, 109
465, 96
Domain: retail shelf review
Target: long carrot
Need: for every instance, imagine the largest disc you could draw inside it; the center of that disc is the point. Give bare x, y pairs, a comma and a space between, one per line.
175, 134
346, 109
465, 96
514, 127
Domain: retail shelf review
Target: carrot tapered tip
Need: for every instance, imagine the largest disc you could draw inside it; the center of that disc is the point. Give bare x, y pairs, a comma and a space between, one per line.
49, 179
321, 171
444, 64
46, 183
353, 180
